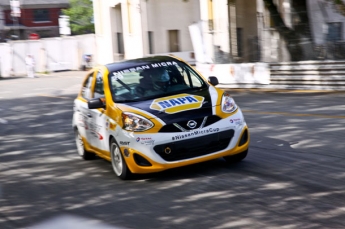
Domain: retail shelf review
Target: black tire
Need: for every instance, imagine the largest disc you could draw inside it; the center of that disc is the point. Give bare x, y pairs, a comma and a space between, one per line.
118, 163
86, 155
236, 158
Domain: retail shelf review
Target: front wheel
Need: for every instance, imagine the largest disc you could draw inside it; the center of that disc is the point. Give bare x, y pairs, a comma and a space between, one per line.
117, 161
236, 158
86, 155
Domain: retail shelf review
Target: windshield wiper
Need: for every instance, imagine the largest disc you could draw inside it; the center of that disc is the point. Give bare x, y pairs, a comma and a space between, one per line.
124, 85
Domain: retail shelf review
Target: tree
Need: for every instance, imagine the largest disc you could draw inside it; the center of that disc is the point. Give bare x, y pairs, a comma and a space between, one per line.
81, 16
297, 35
339, 5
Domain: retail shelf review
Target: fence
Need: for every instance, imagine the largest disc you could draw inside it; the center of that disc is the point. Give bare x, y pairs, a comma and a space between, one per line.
50, 54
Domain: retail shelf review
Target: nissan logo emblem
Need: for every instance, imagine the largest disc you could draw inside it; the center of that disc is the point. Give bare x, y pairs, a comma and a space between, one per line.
191, 124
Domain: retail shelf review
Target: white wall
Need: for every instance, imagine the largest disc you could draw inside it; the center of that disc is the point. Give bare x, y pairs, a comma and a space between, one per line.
164, 15
50, 54
157, 16
5, 60
104, 30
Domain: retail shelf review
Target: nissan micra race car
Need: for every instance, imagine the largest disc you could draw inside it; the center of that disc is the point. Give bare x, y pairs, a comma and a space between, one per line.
152, 114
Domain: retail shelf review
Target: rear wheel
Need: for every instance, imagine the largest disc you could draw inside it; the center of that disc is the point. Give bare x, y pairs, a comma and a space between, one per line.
80, 147
237, 157
117, 161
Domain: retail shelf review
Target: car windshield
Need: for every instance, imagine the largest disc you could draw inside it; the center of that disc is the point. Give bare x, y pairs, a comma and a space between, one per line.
153, 80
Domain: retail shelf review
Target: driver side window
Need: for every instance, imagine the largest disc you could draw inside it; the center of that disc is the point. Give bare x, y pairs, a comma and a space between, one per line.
99, 86
86, 90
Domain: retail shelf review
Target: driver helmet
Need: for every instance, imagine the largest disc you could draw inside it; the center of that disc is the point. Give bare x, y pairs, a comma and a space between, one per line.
160, 79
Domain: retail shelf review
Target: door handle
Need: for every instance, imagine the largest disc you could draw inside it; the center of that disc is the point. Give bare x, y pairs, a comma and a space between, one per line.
89, 115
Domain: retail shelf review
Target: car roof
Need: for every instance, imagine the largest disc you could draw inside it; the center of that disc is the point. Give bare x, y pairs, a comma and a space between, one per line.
138, 62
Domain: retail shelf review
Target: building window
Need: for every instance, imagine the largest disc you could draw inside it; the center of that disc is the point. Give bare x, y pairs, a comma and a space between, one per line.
41, 15
120, 46
239, 42
150, 37
268, 20
173, 41
334, 31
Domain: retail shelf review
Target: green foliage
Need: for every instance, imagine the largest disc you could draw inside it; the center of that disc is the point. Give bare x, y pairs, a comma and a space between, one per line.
81, 16
339, 6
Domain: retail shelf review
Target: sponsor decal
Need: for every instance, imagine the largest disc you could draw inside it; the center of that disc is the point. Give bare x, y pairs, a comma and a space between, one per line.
110, 124
237, 121
145, 141
195, 133
124, 143
119, 74
177, 103
82, 121
148, 142
95, 129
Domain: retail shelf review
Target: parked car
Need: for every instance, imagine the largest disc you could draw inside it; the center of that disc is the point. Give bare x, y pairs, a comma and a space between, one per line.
156, 113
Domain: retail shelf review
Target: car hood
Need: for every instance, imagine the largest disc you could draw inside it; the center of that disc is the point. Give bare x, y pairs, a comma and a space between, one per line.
178, 107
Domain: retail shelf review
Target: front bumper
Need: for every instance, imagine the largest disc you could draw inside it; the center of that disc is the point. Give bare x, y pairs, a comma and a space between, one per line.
146, 153
155, 166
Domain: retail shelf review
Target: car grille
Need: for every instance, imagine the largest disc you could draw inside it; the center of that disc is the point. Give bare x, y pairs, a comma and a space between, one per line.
190, 148
172, 127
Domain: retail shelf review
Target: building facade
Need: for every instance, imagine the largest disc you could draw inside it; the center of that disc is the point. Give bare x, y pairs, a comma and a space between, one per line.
228, 30
327, 25
37, 16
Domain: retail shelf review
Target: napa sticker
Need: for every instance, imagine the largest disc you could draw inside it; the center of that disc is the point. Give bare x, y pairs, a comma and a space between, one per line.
177, 103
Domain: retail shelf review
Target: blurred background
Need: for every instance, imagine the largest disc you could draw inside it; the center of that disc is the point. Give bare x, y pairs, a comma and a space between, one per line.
76, 34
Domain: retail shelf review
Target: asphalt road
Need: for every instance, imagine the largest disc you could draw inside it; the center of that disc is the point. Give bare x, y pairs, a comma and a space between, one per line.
293, 177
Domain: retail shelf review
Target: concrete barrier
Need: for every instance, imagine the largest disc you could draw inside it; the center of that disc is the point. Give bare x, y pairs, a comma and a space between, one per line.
236, 74
301, 75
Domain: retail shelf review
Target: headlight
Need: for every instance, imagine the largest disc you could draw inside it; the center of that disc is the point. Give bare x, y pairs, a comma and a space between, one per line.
228, 104
134, 122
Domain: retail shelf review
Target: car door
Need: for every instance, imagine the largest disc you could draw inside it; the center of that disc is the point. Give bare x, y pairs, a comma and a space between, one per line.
81, 107
98, 134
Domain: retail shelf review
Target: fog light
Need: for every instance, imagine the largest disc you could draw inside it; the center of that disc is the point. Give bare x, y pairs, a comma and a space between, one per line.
244, 138
141, 161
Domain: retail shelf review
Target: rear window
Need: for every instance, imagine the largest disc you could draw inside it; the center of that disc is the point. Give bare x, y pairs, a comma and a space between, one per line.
154, 80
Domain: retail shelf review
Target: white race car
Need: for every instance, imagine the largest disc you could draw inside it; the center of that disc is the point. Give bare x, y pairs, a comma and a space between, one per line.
152, 114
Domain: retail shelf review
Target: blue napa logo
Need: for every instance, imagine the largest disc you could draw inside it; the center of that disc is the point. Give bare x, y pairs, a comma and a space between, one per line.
177, 103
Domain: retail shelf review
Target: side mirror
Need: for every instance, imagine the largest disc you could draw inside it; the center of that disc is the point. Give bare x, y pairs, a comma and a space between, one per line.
213, 80
96, 103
